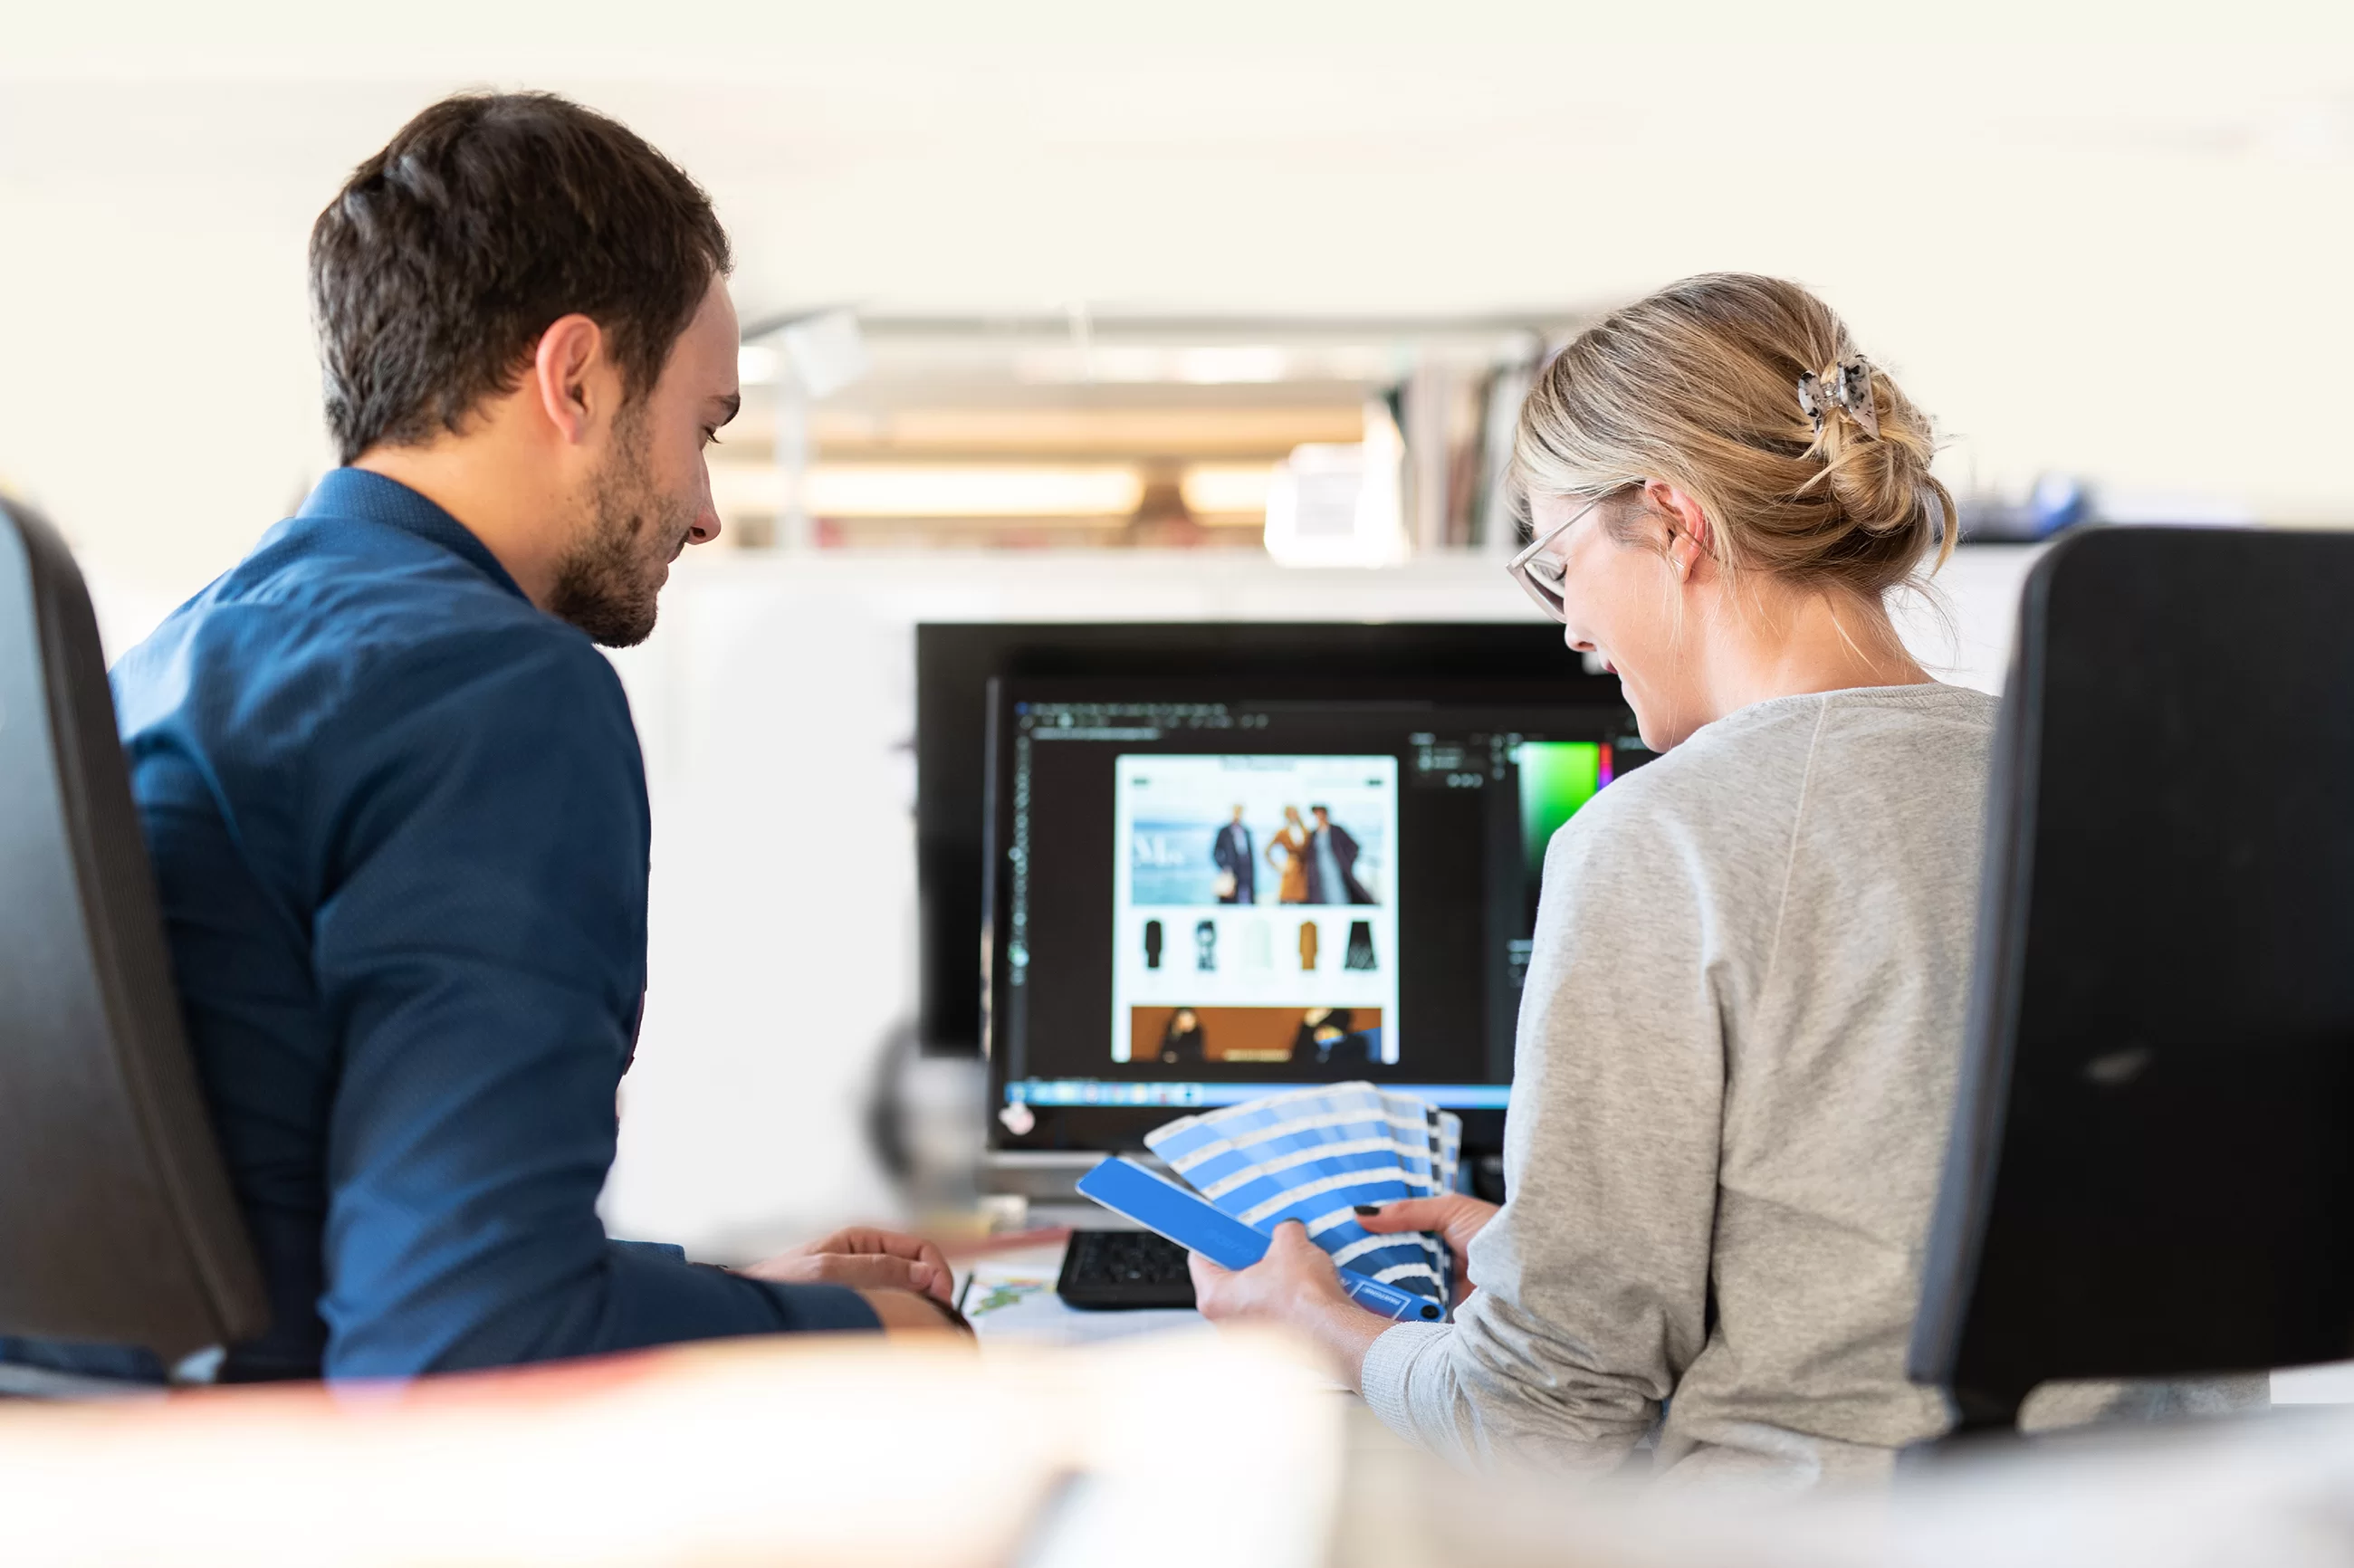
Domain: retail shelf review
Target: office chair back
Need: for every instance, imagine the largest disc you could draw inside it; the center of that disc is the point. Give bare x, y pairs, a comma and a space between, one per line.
2152, 1166
117, 1223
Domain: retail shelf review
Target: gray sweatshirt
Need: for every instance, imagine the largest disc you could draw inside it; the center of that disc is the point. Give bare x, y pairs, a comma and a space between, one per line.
1736, 1065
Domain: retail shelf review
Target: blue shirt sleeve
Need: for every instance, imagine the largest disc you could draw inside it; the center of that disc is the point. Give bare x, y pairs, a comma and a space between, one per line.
480, 945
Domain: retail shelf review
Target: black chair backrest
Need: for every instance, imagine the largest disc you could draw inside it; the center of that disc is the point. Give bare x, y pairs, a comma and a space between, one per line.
2152, 1166
117, 1223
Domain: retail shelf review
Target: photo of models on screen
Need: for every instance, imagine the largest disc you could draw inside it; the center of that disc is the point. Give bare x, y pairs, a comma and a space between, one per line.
1255, 903
1293, 854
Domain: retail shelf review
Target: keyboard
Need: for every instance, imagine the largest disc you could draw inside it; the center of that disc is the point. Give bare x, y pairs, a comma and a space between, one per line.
1109, 1271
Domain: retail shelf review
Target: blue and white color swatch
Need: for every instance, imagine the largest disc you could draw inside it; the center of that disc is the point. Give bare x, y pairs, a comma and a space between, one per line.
1312, 1155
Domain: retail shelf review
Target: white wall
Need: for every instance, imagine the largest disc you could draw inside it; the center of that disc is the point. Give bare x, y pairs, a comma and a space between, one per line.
2096, 239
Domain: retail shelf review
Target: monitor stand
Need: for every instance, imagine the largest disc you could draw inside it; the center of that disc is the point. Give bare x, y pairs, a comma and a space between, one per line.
1046, 1185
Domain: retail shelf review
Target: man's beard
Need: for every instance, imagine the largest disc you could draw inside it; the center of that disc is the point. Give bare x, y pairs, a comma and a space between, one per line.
607, 581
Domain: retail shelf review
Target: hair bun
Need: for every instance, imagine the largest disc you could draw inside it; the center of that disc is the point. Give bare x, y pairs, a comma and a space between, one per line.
1881, 479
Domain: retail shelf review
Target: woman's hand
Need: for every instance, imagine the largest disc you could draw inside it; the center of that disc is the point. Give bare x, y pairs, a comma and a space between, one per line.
863, 1259
1294, 1285
1455, 1218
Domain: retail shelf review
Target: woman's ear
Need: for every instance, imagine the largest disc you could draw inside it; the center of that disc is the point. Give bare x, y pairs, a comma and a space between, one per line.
1689, 535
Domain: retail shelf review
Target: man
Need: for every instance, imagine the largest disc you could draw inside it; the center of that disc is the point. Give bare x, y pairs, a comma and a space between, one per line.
395, 800
1332, 863
1238, 871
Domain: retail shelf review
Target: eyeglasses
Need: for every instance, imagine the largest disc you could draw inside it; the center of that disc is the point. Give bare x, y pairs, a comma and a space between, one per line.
1540, 574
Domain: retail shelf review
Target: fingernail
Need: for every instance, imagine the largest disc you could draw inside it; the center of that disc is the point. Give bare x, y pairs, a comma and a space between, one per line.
1369, 1208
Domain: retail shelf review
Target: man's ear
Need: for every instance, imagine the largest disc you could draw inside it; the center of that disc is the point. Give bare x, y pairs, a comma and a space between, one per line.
570, 347
1689, 535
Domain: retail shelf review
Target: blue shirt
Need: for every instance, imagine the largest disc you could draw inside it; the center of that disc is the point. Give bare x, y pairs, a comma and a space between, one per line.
399, 821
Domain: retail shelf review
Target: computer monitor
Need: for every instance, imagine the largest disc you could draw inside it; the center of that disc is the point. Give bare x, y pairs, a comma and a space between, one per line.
1202, 891
955, 662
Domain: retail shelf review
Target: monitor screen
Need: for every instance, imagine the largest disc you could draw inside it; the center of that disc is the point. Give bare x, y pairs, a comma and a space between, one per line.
956, 662
1206, 892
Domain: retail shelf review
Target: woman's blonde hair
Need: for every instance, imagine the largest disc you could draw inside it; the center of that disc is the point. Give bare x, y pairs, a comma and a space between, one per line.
1699, 386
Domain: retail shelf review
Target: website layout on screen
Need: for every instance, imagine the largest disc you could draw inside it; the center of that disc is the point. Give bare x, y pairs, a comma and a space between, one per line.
1255, 902
1206, 898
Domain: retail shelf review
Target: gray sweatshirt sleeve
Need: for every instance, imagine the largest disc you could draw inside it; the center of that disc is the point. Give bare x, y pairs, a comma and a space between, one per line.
1592, 1283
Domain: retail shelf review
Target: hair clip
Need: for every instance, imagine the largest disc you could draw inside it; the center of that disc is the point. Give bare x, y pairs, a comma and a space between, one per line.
1847, 386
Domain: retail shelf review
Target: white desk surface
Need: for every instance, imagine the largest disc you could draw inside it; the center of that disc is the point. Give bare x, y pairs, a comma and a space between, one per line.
1010, 1299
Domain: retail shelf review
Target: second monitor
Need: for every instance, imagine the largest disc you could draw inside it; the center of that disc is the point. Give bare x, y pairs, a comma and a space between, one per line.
1206, 892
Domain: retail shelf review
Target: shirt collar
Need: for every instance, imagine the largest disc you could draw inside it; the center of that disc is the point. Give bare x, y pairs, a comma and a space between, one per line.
357, 493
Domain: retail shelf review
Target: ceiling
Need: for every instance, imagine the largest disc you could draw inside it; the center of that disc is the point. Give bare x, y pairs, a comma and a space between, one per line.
2109, 240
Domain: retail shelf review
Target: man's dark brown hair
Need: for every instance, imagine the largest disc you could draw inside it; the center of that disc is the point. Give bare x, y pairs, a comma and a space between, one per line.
446, 255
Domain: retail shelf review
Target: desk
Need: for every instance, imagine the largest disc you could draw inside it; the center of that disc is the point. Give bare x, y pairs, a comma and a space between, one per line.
1009, 1295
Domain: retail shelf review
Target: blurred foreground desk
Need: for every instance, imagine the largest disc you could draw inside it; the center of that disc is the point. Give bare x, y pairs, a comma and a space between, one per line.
1178, 1450
821, 1450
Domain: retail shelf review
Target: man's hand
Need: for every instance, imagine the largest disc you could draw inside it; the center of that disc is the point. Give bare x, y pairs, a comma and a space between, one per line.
901, 1313
1296, 1285
1456, 1219
863, 1259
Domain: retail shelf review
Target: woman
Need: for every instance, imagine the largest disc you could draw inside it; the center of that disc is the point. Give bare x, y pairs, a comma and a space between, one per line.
1287, 851
1740, 1031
